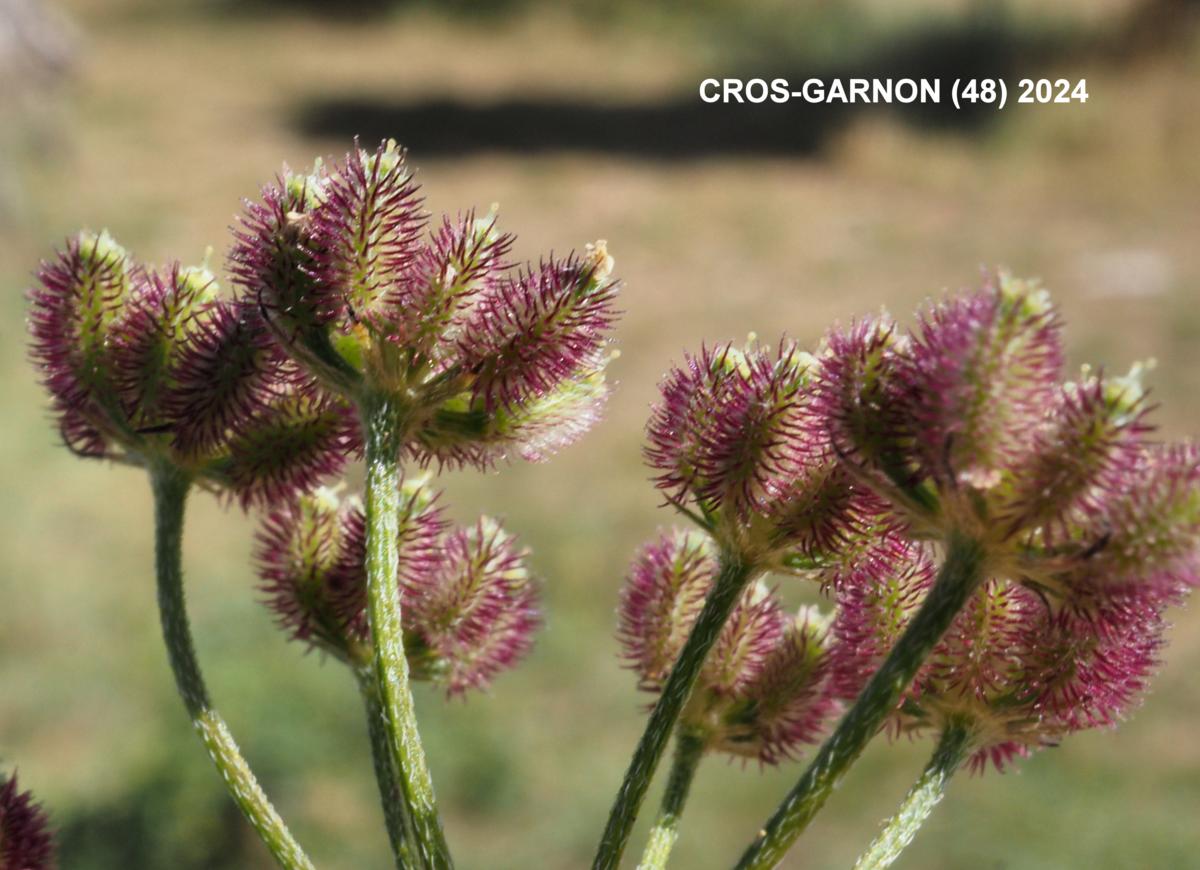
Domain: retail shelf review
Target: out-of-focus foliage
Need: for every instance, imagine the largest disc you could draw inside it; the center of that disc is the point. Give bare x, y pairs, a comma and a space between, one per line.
38, 47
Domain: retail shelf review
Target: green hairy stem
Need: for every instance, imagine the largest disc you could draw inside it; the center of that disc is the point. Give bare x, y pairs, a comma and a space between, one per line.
170, 496
960, 576
391, 796
732, 579
384, 425
952, 749
689, 750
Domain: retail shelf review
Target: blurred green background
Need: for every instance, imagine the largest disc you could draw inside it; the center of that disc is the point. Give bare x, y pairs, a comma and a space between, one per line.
154, 118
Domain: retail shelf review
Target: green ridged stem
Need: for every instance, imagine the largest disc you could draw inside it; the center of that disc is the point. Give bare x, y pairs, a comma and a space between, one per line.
171, 487
732, 578
960, 576
384, 424
689, 750
399, 826
952, 749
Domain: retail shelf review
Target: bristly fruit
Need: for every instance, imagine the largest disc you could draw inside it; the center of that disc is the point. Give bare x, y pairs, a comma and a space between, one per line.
25, 840
966, 424
853, 467
148, 366
1018, 673
487, 360
765, 689
470, 604
731, 439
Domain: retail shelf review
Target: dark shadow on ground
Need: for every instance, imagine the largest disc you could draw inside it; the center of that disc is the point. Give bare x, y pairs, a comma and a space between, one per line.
684, 127
985, 44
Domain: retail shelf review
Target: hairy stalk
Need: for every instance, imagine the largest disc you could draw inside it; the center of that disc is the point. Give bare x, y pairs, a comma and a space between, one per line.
399, 825
731, 580
960, 575
384, 424
927, 791
170, 496
689, 749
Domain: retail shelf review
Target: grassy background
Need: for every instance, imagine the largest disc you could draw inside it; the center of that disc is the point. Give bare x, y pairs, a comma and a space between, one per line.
171, 111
